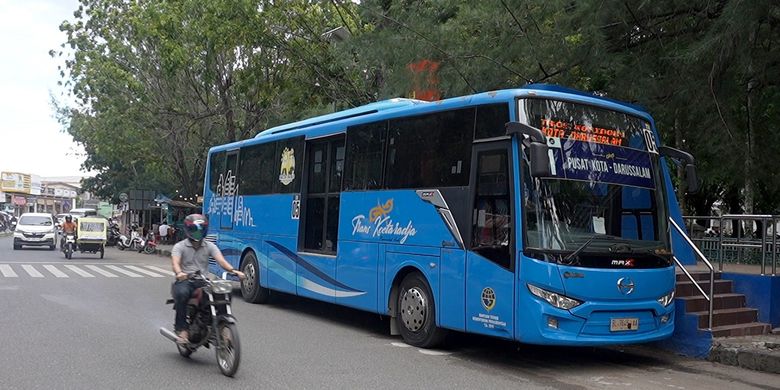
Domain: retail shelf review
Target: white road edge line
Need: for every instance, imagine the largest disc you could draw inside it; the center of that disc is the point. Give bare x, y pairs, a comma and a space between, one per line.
100, 271
79, 271
145, 272
158, 269
55, 271
32, 271
123, 271
7, 271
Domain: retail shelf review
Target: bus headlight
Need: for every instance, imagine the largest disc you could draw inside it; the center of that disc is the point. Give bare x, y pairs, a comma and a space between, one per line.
667, 299
555, 299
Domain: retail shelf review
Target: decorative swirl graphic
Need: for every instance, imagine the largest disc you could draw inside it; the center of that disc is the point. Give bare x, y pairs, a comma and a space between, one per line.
380, 210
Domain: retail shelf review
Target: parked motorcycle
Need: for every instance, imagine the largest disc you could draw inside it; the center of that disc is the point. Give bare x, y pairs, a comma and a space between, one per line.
149, 245
211, 322
69, 245
132, 242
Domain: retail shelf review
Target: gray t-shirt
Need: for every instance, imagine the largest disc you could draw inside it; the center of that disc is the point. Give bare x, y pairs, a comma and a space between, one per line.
194, 259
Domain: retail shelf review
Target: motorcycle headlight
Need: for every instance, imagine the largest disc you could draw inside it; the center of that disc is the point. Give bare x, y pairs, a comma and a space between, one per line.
222, 287
667, 299
555, 299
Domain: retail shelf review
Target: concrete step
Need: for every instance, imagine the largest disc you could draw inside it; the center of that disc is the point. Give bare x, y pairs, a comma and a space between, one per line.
761, 353
688, 289
722, 301
697, 276
742, 315
739, 330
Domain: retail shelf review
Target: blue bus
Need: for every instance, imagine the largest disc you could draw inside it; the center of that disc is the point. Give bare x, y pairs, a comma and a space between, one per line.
537, 214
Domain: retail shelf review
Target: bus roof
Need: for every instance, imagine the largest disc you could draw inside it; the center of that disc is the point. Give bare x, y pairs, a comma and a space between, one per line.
332, 123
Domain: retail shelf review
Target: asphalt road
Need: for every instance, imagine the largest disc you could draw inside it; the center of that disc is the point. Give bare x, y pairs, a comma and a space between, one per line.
70, 325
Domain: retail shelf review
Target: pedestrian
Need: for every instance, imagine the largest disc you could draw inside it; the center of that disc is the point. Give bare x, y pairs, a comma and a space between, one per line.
163, 232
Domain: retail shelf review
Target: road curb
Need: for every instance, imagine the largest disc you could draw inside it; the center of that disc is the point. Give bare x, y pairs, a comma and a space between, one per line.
756, 353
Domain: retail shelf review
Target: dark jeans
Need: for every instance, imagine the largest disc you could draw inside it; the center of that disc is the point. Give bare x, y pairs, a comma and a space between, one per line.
182, 291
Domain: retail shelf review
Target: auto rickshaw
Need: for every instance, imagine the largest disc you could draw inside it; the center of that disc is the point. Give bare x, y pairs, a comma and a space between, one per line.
92, 235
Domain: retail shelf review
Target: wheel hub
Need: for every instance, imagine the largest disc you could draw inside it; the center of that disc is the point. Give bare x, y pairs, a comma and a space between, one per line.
414, 308
249, 282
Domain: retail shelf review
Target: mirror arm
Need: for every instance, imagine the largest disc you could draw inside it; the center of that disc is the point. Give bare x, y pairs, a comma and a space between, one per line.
533, 133
676, 154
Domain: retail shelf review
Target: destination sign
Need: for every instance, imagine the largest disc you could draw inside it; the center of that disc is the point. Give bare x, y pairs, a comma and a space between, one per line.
601, 163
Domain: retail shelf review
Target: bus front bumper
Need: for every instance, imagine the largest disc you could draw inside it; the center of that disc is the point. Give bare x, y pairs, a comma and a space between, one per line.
593, 324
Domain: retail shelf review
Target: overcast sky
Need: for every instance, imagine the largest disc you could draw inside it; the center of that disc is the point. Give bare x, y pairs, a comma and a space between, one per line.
31, 140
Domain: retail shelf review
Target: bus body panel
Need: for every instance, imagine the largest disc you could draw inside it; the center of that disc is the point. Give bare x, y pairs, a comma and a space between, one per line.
490, 302
282, 269
452, 294
356, 265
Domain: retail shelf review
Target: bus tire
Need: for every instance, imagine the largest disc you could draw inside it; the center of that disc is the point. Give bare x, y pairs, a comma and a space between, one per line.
416, 313
251, 289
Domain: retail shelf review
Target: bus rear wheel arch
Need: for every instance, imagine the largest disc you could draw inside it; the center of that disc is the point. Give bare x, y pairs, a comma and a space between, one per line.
251, 289
415, 312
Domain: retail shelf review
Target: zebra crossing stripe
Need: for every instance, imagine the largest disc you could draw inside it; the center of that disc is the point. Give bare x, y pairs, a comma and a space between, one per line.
6, 270
161, 270
101, 271
79, 271
123, 271
145, 272
55, 271
32, 271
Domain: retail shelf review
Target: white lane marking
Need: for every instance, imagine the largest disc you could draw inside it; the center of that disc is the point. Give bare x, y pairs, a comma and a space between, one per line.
145, 272
55, 271
158, 269
431, 352
32, 271
124, 271
402, 345
79, 271
101, 271
7, 271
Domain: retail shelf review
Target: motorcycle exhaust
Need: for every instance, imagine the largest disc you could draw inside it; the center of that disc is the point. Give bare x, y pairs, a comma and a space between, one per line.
169, 334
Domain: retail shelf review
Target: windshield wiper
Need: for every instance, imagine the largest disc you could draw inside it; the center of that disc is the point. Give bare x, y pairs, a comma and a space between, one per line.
585, 244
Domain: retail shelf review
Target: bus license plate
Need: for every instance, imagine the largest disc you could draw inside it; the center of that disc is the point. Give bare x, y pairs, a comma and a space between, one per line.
621, 324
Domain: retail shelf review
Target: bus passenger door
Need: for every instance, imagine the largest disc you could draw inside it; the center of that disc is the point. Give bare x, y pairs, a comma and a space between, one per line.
490, 282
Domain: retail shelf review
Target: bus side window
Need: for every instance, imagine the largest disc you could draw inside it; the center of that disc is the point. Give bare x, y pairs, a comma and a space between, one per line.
492, 219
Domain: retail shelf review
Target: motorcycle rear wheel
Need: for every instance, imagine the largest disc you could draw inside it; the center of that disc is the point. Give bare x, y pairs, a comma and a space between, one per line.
148, 249
229, 350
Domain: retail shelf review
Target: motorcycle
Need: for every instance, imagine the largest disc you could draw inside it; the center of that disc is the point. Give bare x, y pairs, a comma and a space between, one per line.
69, 246
113, 235
149, 245
131, 242
211, 322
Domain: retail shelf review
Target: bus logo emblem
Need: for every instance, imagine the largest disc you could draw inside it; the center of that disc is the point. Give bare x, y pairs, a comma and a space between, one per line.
625, 285
287, 174
488, 298
380, 211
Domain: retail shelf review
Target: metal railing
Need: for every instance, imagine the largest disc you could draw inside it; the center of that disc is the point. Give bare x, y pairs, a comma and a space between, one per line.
709, 297
740, 245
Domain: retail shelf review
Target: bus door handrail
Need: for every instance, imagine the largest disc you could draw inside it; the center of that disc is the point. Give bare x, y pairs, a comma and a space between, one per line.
711, 297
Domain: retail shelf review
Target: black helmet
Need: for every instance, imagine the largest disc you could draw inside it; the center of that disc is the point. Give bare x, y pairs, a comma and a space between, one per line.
68, 218
196, 226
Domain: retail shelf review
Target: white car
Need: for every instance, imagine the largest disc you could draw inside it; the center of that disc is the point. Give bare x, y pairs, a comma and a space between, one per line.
35, 229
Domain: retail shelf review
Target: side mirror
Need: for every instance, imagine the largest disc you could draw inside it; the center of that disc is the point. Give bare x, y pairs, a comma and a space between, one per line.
691, 178
536, 143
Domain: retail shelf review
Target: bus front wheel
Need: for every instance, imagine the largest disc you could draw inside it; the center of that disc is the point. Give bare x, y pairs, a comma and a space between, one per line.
251, 289
416, 313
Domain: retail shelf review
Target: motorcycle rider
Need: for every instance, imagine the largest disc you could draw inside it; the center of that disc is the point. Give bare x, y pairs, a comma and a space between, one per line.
68, 227
188, 256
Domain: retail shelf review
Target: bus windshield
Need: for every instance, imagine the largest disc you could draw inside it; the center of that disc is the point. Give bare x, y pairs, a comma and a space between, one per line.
604, 206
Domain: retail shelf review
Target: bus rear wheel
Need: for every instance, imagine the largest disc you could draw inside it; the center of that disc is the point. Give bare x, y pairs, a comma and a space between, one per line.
251, 289
416, 313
